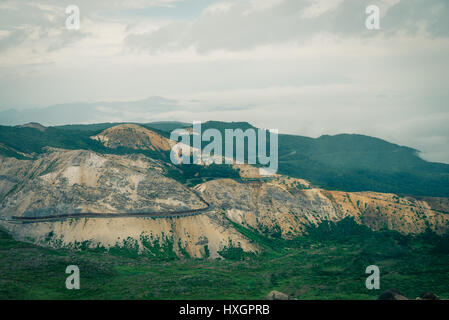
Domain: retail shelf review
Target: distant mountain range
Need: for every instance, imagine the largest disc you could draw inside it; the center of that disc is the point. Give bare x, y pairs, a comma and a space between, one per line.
89, 112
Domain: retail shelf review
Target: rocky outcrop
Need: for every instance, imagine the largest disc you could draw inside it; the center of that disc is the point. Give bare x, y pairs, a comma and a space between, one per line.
12, 173
75, 182
201, 236
287, 206
277, 295
392, 294
428, 296
80, 181
133, 136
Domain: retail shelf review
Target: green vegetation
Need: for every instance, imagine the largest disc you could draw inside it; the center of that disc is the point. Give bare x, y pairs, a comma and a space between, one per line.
32, 141
329, 263
193, 174
352, 162
162, 127
361, 163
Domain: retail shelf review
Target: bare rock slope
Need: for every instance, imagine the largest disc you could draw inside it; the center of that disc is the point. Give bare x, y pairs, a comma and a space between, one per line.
134, 137
80, 181
74, 182
287, 206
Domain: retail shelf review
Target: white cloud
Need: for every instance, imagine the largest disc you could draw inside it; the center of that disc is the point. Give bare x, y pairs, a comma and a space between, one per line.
318, 7
218, 8
304, 67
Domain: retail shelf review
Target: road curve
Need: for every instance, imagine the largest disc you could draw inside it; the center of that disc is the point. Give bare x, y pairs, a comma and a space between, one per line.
162, 214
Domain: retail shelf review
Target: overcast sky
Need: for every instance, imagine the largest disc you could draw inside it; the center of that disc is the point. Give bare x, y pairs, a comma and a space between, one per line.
306, 67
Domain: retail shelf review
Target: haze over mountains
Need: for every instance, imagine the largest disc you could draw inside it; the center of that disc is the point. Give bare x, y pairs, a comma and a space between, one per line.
89, 112
432, 146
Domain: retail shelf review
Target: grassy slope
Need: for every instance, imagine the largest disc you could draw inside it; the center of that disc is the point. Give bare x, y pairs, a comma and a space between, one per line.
329, 264
353, 162
31, 141
163, 127
360, 163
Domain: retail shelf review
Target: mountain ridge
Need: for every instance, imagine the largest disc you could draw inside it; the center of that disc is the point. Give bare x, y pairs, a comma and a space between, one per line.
82, 112
345, 162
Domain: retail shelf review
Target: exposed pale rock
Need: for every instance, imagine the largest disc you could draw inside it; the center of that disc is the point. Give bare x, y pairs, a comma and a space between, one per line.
277, 295
78, 181
282, 207
135, 137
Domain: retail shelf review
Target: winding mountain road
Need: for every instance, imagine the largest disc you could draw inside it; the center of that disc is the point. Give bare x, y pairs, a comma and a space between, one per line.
96, 215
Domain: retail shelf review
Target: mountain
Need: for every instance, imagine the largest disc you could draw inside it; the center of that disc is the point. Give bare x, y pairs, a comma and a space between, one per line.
34, 125
82, 112
162, 127
84, 199
133, 136
287, 207
105, 197
79, 181
353, 162
344, 162
360, 163
78, 198
28, 141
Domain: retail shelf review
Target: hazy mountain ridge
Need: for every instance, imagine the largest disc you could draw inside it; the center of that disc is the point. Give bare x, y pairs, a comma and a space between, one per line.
84, 112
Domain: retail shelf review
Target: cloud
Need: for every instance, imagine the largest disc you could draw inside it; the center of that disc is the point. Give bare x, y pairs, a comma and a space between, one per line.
35, 26
40, 26
302, 66
319, 7
12, 38
236, 25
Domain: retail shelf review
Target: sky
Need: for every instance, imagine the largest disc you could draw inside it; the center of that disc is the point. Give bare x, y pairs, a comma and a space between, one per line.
307, 67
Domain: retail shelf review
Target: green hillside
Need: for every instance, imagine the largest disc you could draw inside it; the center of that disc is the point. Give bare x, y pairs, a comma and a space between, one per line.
161, 126
359, 163
352, 162
14, 141
328, 264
